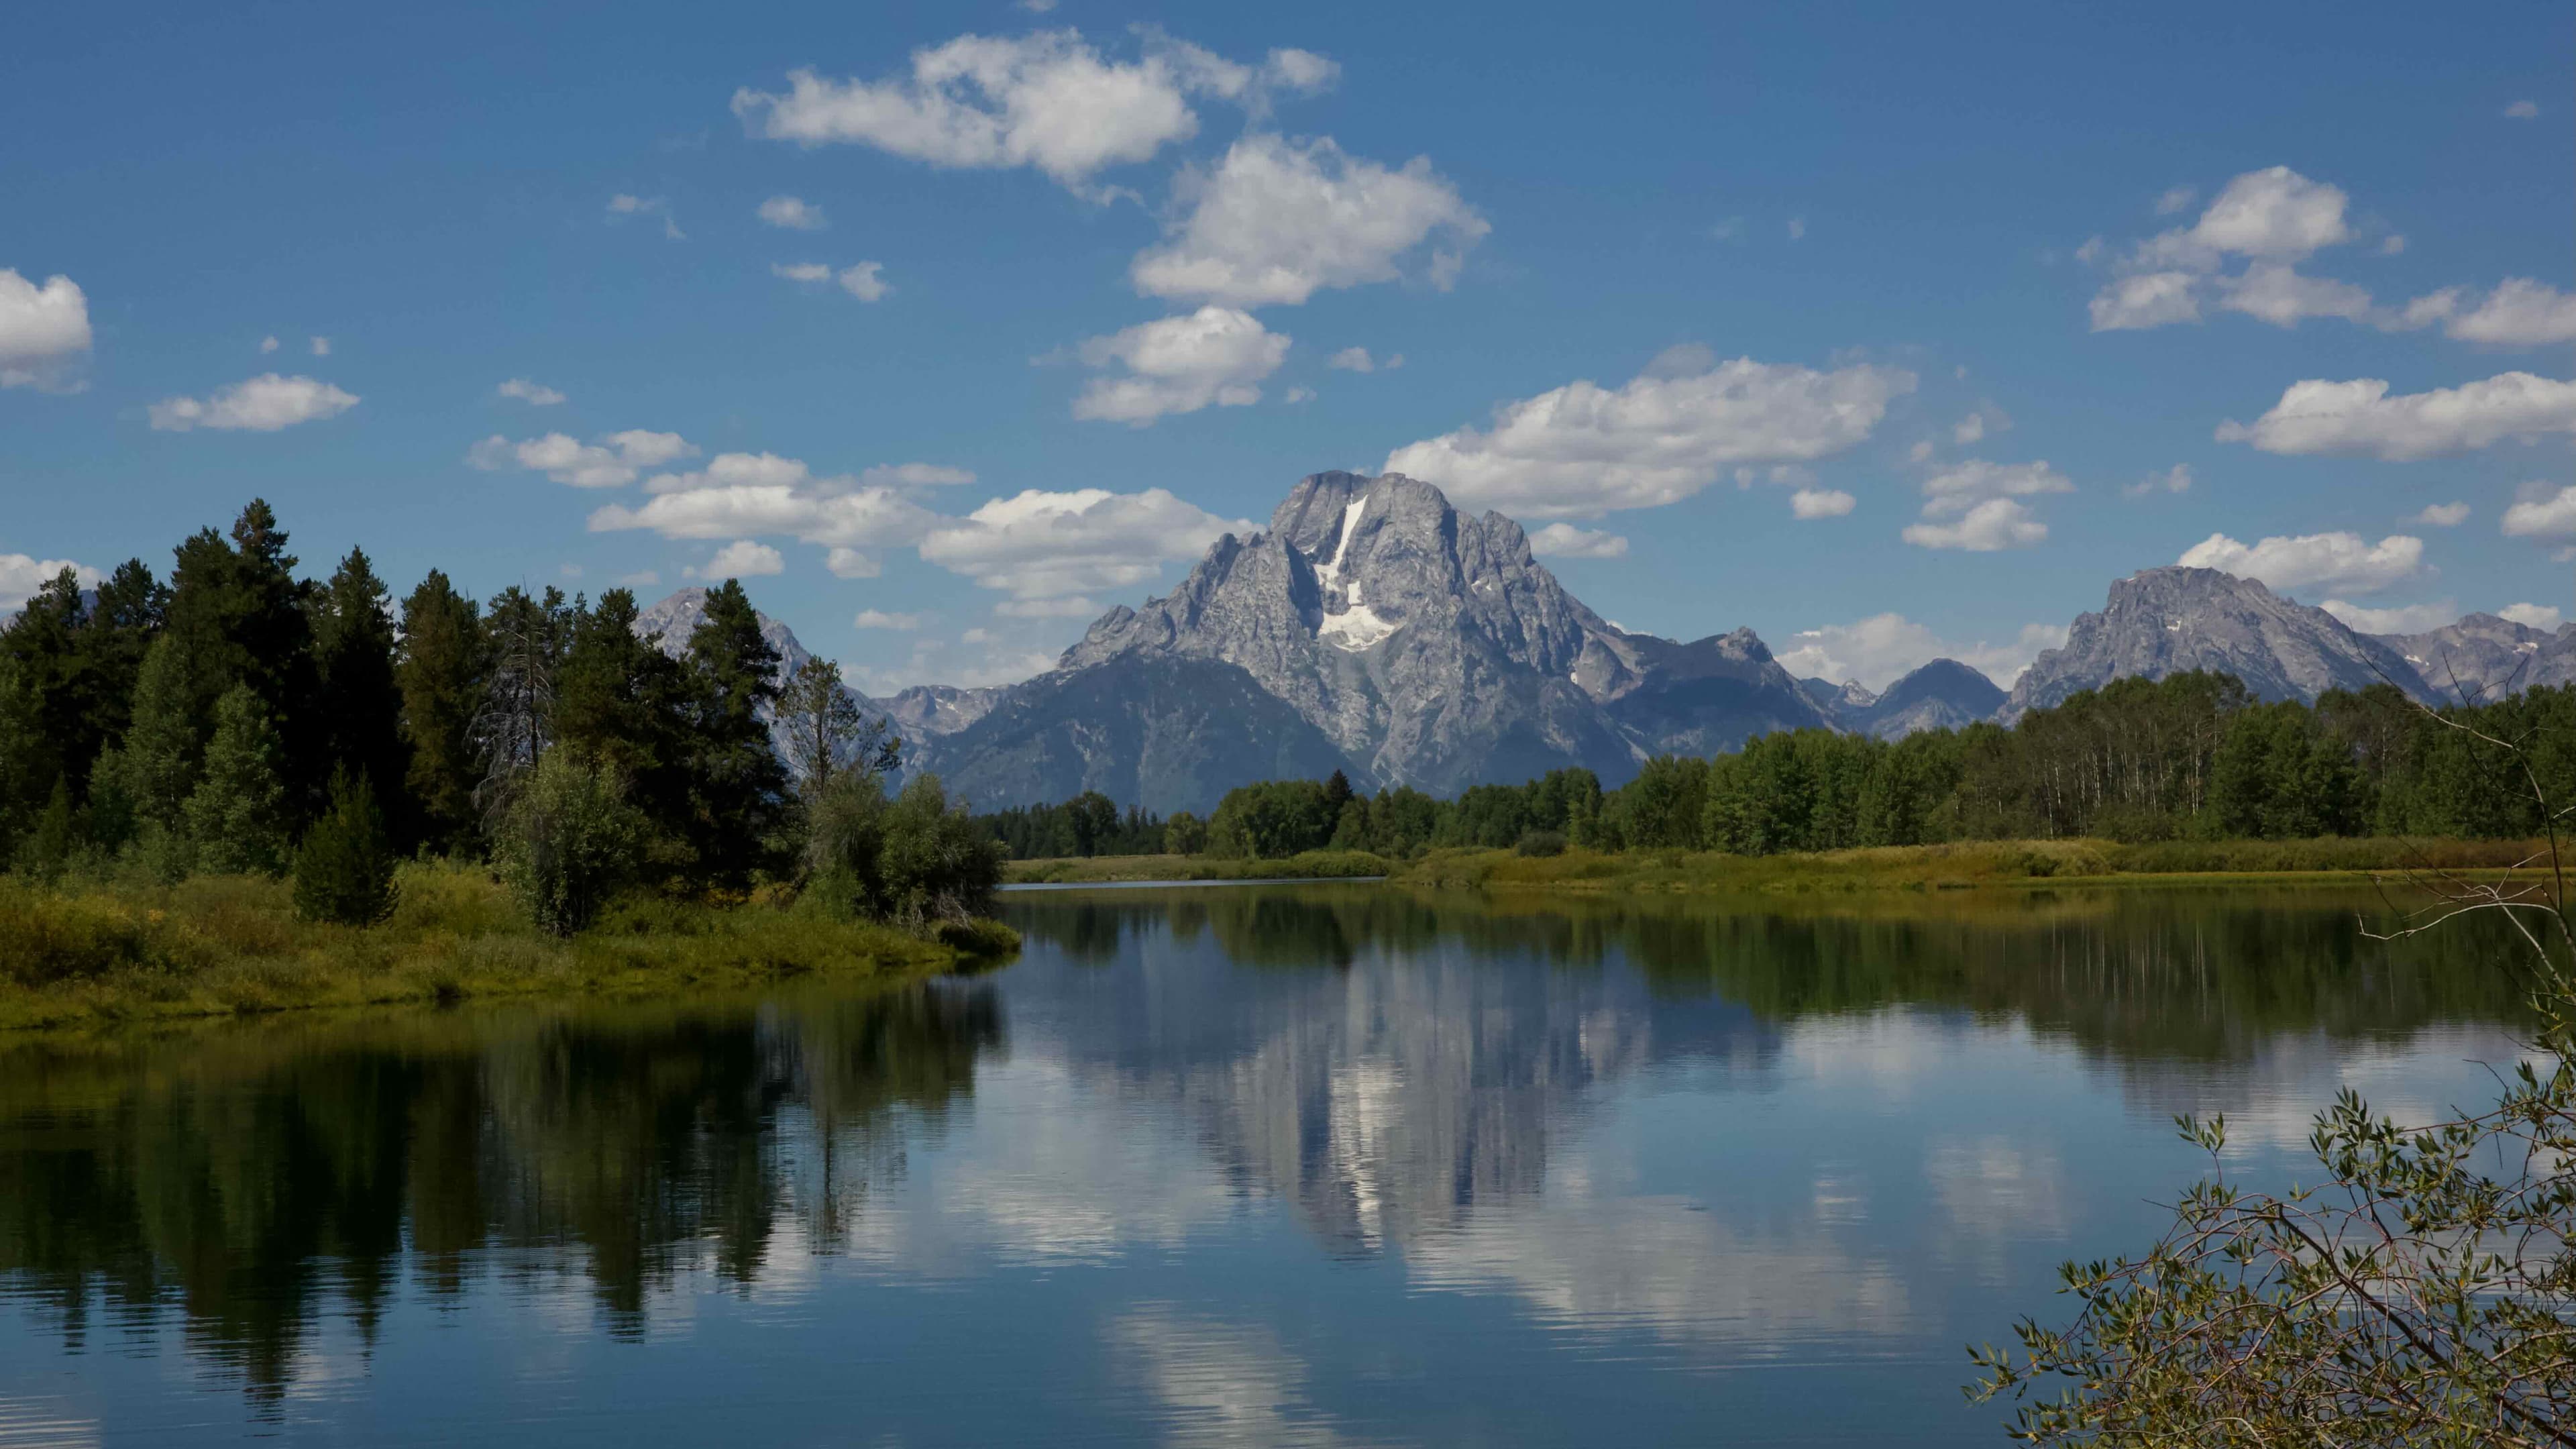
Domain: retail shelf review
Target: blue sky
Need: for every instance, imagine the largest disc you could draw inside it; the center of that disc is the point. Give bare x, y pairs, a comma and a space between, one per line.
998, 315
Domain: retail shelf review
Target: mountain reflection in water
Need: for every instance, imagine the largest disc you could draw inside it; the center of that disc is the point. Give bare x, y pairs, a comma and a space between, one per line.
1545, 1135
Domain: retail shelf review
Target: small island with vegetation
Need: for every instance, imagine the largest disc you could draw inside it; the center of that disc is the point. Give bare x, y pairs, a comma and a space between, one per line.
244, 791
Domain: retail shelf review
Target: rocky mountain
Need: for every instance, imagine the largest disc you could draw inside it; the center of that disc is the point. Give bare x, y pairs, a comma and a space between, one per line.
1377, 627
1942, 695
1838, 700
2166, 620
2483, 657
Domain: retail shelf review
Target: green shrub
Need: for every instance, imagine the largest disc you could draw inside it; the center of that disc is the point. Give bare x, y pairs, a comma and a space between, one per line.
344, 870
46, 937
911, 860
1541, 843
568, 842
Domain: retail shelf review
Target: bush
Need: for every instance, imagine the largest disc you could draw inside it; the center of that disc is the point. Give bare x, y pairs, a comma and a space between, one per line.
344, 869
1541, 843
911, 860
569, 841
45, 937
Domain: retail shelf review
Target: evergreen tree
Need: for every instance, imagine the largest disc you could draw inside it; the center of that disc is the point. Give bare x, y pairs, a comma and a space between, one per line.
737, 782
238, 818
27, 772
47, 850
826, 733
624, 704
123, 622
440, 675
162, 754
361, 705
344, 869
44, 641
241, 611
523, 642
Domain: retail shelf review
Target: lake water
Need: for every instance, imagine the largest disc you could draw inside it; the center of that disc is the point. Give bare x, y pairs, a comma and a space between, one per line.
1283, 1165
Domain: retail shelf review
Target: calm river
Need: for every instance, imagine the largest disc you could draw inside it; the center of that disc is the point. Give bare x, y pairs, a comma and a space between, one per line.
1274, 1165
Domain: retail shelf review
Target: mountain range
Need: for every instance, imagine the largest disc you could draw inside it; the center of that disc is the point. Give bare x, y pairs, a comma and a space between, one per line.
1375, 629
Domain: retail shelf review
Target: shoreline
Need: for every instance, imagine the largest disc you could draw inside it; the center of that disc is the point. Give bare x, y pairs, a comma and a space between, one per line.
96, 955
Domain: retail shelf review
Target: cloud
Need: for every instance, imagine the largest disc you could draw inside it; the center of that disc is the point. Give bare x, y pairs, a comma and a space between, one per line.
612, 462
1564, 540
1038, 545
793, 213
41, 329
1353, 359
321, 346
1820, 503
880, 619
741, 559
622, 206
1048, 100
849, 563
1582, 449
2392, 245
741, 494
1731, 229
1882, 649
2533, 616
261, 404
1298, 395
640, 579
1181, 364
2523, 110
1997, 523
21, 576
1797, 228
2271, 218
2403, 619
531, 393
2341, 561
2149, 299
863, 280
1969, 429
2359, 417
1279, 220
2441, 515
2175, 199
2276, 294
801, 271
2550, 517
1960, 488
267, 345
914, 475
2520, 312
2176, 479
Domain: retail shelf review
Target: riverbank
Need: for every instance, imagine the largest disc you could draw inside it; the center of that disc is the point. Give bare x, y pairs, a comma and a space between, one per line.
1118, 869
231, 945
1966, 865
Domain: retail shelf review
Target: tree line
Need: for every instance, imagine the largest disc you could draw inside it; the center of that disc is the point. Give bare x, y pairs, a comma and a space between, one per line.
238, 718
2190, 756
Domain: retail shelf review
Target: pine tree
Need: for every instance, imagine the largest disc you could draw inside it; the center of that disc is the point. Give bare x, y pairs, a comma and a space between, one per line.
238, 817
158, 762
27, 772
353, 638
47, 850
45, 641
241, 611
440, 675
122, 624
736, 778
344, 868
825, 731
514, 723
623, 704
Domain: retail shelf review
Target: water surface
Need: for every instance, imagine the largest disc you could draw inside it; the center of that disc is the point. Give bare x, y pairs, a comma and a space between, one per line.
1300, 1165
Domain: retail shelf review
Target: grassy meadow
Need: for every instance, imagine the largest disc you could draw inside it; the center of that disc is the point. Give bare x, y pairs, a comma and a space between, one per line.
226, 945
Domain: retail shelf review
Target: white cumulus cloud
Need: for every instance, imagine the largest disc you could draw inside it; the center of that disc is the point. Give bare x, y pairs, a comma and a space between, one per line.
1997, 523
792, 212
1278, 220
880, 619
262, 404
2176, 479
612, 462
1214, 356
2340, 561
1981, 502
42, 328
2359, 417
1048, 100
849, 563
2149, 299
21, 576
532, 393
2520, 312
2552, 516
1878, 651
2402, 619
914, 475
2533, 616
741, 559
1820, 503
1037, 545
2278, 295
1582, 449
2442, 515
2523, 110
1564, 540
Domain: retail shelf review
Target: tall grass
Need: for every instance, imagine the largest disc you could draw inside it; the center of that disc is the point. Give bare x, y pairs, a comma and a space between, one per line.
1976, 863
1312, 865
113, 950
